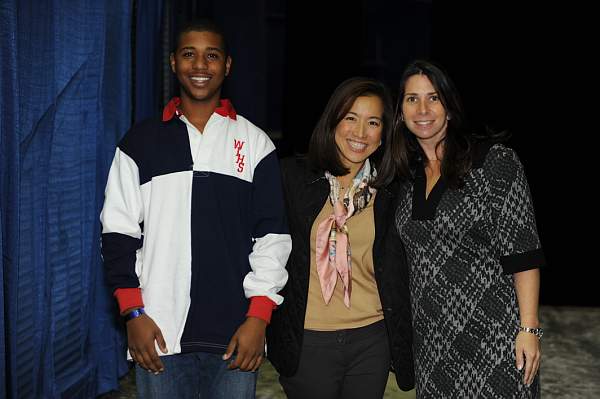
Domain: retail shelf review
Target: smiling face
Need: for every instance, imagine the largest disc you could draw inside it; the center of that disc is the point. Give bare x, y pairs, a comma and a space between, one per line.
201, 65
358, 134
422, 110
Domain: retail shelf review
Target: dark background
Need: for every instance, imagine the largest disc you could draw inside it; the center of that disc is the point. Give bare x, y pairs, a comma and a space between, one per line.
520, 67
76, 74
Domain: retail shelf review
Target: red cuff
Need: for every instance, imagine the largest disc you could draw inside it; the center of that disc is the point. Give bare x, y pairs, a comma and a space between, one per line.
261, 307
129, 298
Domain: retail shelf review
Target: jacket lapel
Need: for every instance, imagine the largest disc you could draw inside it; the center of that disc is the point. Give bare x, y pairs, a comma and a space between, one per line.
317, 190
384, 209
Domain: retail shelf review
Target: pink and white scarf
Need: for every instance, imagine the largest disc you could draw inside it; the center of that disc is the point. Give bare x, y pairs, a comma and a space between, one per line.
332, 244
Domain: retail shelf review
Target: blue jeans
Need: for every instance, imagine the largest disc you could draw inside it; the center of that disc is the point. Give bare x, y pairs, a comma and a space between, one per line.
196, 375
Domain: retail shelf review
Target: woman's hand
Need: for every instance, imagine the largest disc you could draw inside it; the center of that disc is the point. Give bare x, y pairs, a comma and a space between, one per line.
527, 346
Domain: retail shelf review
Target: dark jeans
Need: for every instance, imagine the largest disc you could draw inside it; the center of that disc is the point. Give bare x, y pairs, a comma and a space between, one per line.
195, 376
343, 364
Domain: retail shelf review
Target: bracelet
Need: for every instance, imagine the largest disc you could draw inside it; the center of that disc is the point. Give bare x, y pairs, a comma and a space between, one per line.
134, 313
538, 332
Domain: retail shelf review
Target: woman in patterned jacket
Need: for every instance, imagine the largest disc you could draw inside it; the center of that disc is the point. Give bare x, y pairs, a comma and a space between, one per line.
466, 219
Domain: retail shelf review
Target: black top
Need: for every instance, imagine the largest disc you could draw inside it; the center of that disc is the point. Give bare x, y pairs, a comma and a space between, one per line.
305, 193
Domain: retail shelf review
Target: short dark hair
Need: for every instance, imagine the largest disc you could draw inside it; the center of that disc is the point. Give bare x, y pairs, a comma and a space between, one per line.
323, 152
200, 25
458, 143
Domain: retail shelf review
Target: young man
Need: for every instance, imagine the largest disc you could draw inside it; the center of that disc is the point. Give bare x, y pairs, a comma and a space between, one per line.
195, 239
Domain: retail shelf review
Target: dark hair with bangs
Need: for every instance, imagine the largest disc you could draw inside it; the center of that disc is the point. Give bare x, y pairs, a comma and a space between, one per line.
323, 153
200, 25
458, 143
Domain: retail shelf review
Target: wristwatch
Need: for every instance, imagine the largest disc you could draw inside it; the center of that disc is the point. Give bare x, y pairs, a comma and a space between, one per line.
538, 332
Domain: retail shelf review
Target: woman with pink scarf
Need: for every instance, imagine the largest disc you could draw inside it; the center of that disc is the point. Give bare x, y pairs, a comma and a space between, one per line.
345, 320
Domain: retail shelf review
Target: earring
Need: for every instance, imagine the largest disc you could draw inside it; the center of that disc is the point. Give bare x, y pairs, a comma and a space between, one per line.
402, 117
448, 117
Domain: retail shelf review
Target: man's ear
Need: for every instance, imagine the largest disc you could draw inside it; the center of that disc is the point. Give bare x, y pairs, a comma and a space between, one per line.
227, 65
172, 62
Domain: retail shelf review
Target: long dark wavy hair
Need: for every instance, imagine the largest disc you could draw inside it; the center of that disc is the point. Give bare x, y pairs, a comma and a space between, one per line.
458, 143
323, 153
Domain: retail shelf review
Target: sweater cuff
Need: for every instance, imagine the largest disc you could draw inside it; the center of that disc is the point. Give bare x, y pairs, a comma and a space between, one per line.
129, 298
261, 307
521, 262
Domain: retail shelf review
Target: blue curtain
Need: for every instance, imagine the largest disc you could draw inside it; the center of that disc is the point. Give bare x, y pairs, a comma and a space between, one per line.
9, 173
149, 59
65, 102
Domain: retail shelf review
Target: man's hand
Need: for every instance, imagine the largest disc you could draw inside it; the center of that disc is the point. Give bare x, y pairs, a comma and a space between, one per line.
249, 340
141, 334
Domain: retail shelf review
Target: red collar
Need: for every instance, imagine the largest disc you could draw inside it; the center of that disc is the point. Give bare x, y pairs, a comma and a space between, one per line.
172, 109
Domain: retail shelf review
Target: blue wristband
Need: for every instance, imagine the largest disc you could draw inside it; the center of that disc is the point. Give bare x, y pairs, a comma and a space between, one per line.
134, 313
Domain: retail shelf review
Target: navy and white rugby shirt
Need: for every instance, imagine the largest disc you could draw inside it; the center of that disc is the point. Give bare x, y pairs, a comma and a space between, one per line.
195, 224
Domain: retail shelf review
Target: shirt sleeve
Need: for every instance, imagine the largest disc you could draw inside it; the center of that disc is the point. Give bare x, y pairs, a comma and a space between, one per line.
272, 242
121, 217
516, 237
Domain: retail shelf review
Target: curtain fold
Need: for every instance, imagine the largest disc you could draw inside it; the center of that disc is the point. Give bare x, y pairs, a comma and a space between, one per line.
9, 176
66, 100
149, 59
